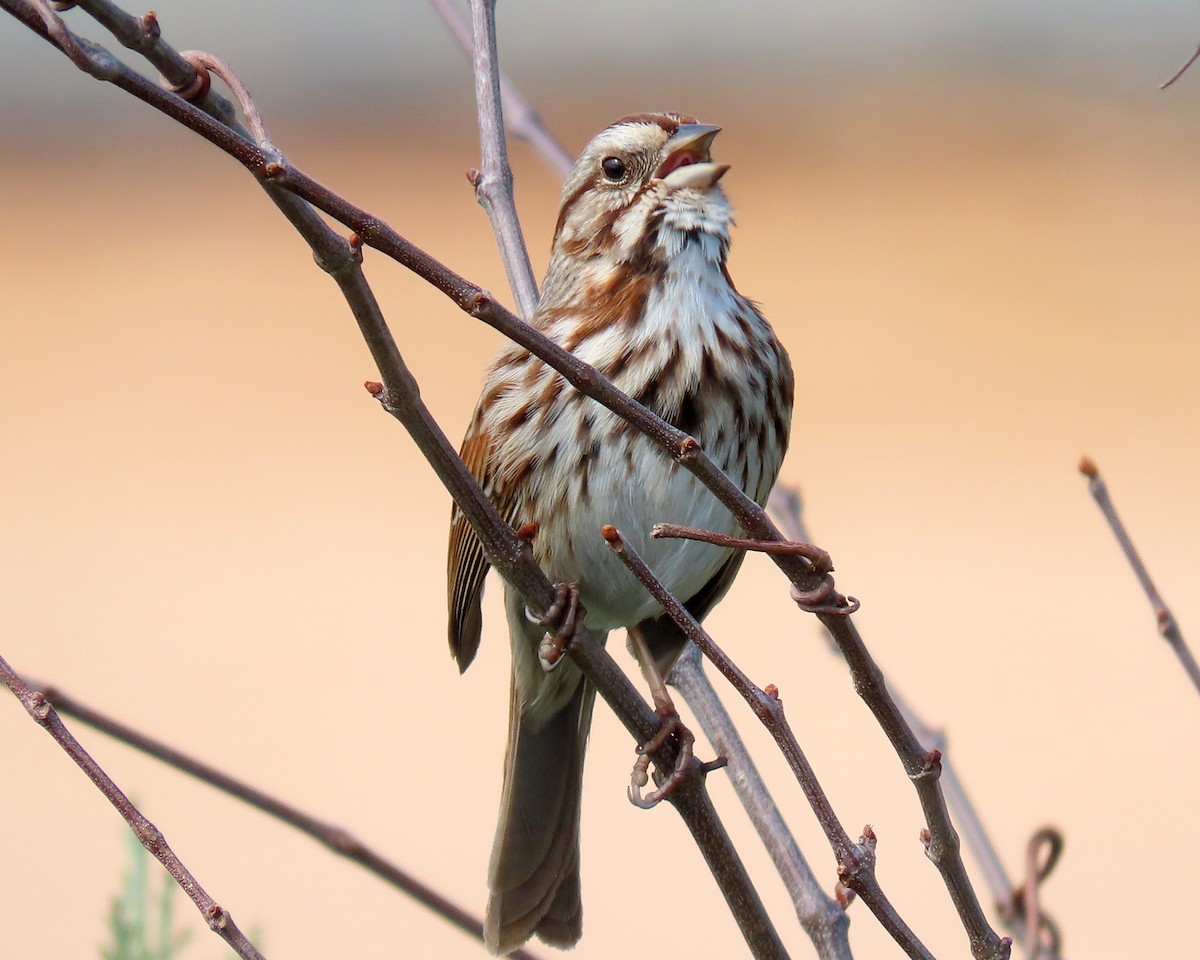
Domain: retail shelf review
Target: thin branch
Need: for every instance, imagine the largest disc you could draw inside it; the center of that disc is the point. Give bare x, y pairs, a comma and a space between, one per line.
401, 397
792, 548
521, 120
823, 919
494, 181
1167, 625
855, 861
1182, 70
335, 838
44, 714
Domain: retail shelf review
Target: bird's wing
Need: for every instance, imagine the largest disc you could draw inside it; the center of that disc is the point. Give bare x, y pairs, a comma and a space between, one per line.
466, 566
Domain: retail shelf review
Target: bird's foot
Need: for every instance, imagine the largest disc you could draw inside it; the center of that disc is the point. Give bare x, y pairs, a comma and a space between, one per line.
671, 724
563, 620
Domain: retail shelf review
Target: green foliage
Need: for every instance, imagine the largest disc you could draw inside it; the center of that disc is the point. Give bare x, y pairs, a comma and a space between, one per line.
140, 920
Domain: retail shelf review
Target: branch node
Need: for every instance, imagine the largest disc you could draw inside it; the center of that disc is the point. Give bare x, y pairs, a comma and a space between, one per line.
843, 895
1165, 621
273, 169
526, 532
356, 247
217, 917
479, 304
474, 177
932, 768
374, 388
149, 836
1088, 467
40, 707
150, 26
686, 448
772, 692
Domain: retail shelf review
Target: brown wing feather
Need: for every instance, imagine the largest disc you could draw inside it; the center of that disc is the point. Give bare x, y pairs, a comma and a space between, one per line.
467, 567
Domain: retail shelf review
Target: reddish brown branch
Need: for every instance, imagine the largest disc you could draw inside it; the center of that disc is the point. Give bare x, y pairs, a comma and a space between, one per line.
791, 548
44, 714
1167, 625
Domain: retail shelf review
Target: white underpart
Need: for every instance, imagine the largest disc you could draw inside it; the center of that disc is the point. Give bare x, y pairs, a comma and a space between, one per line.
683, 313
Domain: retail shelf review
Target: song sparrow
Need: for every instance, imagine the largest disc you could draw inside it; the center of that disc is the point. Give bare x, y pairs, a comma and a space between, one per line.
637, 287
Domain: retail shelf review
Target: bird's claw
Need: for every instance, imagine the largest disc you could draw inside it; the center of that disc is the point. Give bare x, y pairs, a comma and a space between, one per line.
641, 767
564, 620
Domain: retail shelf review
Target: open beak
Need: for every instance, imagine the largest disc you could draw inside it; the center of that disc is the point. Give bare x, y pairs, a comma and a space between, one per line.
687, 163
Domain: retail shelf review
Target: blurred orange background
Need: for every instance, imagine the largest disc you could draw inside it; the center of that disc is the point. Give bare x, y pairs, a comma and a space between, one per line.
982, 260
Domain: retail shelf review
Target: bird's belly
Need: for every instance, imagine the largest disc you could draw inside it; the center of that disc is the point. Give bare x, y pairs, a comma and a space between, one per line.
632, 488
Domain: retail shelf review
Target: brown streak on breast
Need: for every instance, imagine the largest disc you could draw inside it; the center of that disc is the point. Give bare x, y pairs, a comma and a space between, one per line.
620, 298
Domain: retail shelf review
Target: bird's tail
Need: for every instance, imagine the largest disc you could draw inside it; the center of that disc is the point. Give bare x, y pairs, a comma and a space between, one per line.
534, 873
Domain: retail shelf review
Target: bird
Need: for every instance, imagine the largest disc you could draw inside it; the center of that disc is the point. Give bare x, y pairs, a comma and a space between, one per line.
638, 287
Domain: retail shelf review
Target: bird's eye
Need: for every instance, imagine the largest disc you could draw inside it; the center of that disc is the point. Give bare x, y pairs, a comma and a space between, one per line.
614, 169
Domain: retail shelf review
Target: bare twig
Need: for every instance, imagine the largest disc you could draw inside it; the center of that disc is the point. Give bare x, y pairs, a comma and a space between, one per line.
494, 181
792, 548
401, 397
855, 861
44, 714
1167, 625
1182, 70
336, 838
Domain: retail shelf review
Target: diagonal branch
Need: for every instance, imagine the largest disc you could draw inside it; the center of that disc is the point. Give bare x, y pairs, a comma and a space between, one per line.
44, 714
335, 838
855, 861
1168, 626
